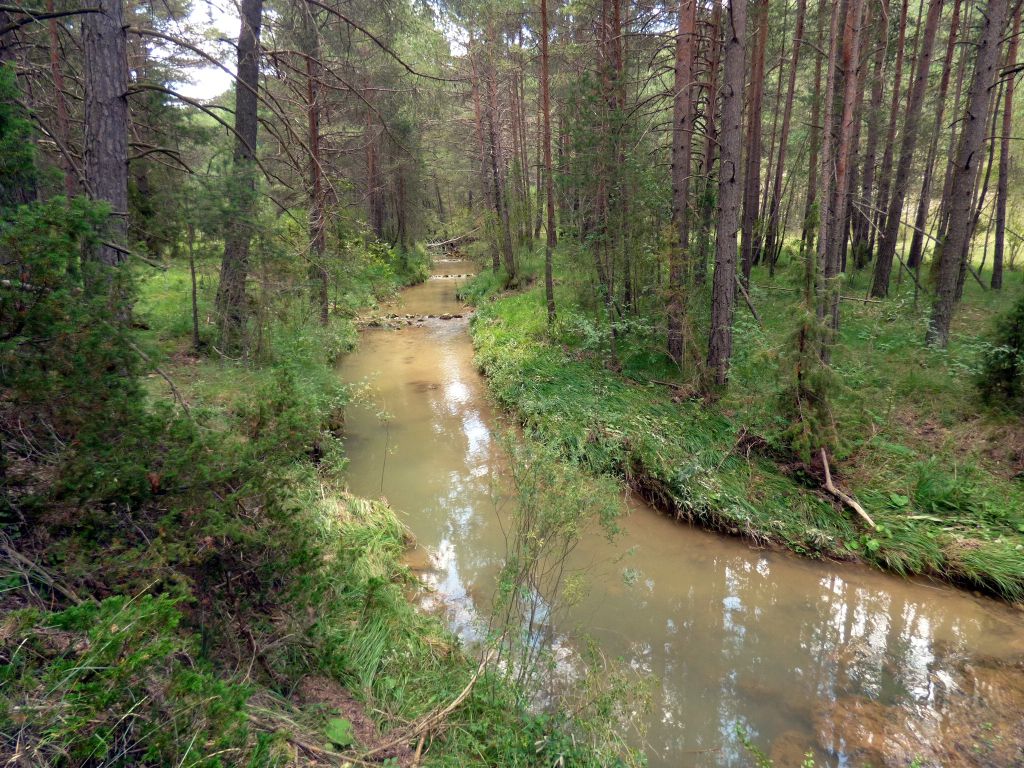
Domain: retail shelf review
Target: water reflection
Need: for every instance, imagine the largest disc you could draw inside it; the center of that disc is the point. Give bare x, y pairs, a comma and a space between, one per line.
859, 667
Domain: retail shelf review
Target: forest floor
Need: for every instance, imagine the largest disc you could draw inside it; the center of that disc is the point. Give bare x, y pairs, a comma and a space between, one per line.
941, 474
252, 612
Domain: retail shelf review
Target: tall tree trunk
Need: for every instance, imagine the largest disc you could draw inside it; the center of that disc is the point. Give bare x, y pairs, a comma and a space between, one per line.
105, 46
524, 149
401, 209
812, 217
752, 180
517, 188
484, 154
1002, 192
774, 132
894, 216
773, 240
608, 147
707, 198
844, 151
549, 184
723, 296
538, 209
981, 189
190, 230
864, 215
826, 271
234, 267
374, 190
317, 208
682, 143
500, 201
7, 39
925, 200
942, 219
63, 128
965, 169
854, 159
441, 216
885, 172
620, 188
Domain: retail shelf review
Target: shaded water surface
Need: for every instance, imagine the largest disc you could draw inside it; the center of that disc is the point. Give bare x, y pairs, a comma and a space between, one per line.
861, 668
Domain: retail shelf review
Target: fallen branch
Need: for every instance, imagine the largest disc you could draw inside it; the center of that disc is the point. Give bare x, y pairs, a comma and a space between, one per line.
976, 276
848, 500
170, 382
133, 254
29, 569
315, 751
896, 253
746, 298
453, 240
431, 721
858, 299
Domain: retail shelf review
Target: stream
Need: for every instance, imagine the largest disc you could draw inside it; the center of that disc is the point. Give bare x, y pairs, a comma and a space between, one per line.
856, 666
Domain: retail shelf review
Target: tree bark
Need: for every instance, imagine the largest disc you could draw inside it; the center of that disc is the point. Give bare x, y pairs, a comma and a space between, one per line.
60, 102
773, 240
885, 172
774, 133
484, 154
981, 188
864, 216
234, 267
824, 275
538, 211
317, 203
105, 46
723, 296
374, 193
812, 218
1002, 192
500, 203
752, 179
682, 143
527, 224
901, 182
965, 170
854, 159
844, 151
954, 142
925, 200
707, 199
549, 184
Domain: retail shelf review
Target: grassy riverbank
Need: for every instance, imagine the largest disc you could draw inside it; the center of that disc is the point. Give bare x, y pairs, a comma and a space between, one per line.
935, 470
189, 583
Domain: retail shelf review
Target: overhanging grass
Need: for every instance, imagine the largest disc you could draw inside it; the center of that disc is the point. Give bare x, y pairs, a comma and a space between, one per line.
236, 570
940, 512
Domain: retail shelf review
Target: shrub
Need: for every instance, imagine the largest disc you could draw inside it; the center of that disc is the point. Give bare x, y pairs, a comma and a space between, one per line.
1001, 380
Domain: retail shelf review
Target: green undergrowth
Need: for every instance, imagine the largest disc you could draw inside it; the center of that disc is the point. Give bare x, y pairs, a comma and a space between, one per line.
941, 510
179, 557
286, 337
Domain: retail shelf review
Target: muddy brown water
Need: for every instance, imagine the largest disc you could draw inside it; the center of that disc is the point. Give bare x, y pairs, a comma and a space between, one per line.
858, 667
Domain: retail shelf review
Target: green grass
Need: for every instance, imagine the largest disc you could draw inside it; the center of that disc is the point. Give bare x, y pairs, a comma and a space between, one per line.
916, 446
224, 563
